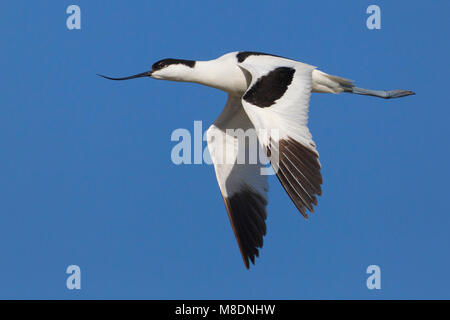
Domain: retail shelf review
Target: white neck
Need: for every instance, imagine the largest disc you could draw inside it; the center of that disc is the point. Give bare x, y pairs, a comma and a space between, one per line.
222, 74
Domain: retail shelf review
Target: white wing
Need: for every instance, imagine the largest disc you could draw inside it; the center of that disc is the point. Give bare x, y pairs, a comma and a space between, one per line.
243, 188
277, 102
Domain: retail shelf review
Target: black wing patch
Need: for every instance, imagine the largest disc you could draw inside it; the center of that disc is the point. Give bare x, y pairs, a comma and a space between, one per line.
270, 88
241, 56
247, 213
299, 173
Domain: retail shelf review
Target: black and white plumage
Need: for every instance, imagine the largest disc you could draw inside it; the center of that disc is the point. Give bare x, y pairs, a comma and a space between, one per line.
267, 93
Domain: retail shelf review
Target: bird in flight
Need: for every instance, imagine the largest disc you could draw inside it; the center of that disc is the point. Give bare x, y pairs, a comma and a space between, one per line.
269, 94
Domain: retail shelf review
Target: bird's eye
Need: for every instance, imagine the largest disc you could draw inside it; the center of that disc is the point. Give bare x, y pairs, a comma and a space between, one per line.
161, 65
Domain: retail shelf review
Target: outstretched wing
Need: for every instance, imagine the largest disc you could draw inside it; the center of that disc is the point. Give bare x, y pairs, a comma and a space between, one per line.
243, 188
277, 104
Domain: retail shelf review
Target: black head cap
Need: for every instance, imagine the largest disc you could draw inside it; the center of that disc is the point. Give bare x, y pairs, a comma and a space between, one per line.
167, 62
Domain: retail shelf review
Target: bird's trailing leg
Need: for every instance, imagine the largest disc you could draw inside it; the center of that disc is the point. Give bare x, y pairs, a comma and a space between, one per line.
327, 83
381, 93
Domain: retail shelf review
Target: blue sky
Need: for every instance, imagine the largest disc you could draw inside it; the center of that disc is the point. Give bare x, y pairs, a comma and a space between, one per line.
87, 179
